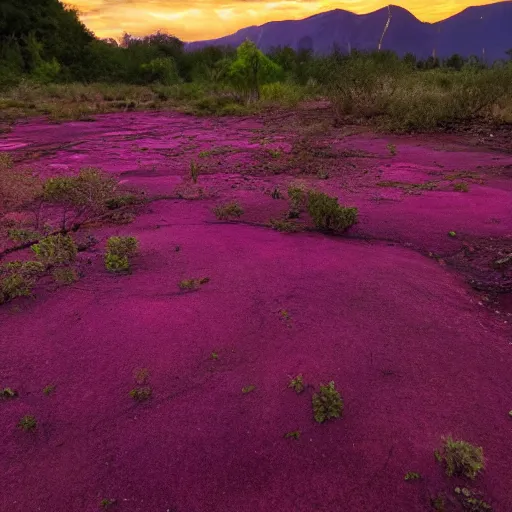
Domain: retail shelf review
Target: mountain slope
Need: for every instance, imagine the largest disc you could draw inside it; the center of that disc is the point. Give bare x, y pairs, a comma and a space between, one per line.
486, 27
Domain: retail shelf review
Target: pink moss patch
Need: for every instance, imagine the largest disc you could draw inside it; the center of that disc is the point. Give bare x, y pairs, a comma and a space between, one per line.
402, 335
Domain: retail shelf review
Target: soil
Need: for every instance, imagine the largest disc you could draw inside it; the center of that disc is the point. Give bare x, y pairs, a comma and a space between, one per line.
411, 323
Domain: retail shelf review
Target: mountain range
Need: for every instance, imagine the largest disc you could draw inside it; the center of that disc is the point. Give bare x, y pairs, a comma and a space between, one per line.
484, 31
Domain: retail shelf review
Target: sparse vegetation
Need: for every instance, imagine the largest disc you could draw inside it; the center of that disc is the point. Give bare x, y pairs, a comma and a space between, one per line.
140, 394
284, 225
227, 211
411, 475
470, 500
297, 196
193, 284
141, 376
55, 250
65, 275
293, 435
327, 214
119, 251
27, 423
248, 389
452, 234
327, 403
461, 458
49, 390
22, 235
107, 503
8, 393
461, 187
17, 279
392, 149
297, 384
194, 171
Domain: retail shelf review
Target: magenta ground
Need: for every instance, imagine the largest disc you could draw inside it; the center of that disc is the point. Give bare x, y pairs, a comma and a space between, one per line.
412, 347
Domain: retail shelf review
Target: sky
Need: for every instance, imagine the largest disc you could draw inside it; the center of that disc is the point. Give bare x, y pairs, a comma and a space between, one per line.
207, 19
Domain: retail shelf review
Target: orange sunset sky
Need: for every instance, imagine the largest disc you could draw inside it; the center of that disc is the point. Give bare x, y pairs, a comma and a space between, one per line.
206, 19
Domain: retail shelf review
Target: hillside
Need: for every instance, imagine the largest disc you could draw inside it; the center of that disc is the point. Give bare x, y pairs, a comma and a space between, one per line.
472, 31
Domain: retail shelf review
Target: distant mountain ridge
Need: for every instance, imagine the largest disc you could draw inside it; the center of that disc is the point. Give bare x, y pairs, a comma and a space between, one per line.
483, 31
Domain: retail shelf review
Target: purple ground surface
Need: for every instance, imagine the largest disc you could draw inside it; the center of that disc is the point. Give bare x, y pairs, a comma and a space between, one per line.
385, 311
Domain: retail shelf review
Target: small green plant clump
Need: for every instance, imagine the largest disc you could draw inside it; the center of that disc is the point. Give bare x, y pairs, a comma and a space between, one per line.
194, 171
227, 211
461, 187
297, 384
327, 403
214, 356
193, 284
65, 275
22, 235
471, 501
27, 423
55, 250
328, 215
107, 503
49, 390
411, 475
119, 250
392, 149
17, 279
293, 435
461, 458
116, 202
141, 376
284, 226
248, 389
297, 196
452, 234
8, 393
438, 503
141, 394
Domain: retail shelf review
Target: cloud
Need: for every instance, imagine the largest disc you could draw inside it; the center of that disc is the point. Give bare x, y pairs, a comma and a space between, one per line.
208, 19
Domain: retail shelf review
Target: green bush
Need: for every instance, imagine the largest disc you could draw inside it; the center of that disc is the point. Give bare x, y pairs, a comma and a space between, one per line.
327, 214
225, 211
55, 250
17, 279
327, 403
461, 458
27, 423
119, 250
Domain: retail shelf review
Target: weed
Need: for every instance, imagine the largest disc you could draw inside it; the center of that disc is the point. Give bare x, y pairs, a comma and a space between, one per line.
284, 314
8, 393
214, 356
17, 279
285, 226
22, 235
64, 275
322, 175
297, 384
327, 403
276, 194
225, 211
107, 503
453, 234
27, 424
297, 196
461, 187
113, 203
119, 250
141, 394
55, 250
429, 185
141, 376
411, 475
293, 435
392, 149
122, 217
462, 458
328, 215
48, 390
248, 389
115, 263
470, 500
193, 284
194, 171
274, 153
438, 503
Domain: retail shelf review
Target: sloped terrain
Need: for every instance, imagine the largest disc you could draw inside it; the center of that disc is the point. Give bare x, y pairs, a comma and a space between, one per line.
412, 324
